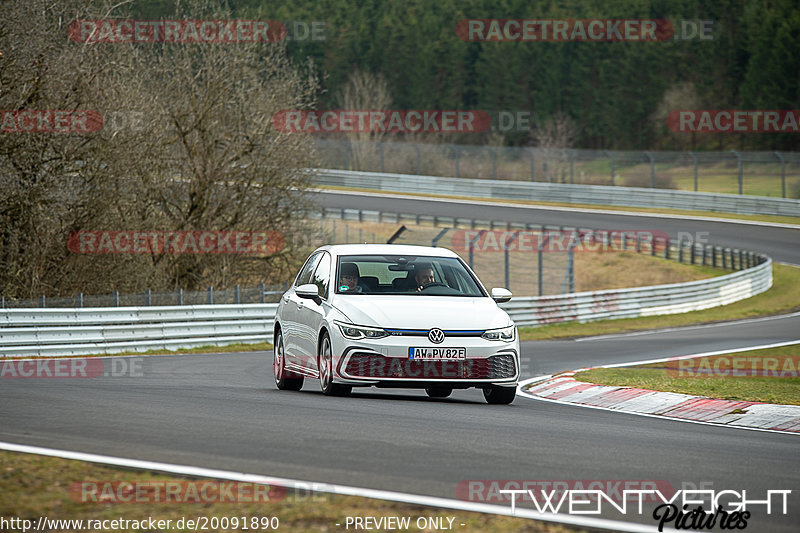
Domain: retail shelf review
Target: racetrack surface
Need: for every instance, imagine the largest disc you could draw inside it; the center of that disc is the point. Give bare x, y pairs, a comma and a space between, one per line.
225, 412
782, 244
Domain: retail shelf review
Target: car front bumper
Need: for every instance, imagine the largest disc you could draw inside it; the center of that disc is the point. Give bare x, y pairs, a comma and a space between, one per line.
386, 362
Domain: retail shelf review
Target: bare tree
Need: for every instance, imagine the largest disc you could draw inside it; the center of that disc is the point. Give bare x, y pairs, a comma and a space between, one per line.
187, 144
369, 92
554, 139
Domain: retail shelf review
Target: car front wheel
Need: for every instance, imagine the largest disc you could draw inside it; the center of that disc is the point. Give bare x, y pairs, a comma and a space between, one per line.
499, 395
279, 368
325, 366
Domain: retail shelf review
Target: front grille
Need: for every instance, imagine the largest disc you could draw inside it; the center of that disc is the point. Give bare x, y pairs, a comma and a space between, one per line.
369, 365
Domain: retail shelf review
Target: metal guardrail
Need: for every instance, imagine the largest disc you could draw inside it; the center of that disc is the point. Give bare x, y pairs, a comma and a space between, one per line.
561, 192
101, 330
642, 301
61, 332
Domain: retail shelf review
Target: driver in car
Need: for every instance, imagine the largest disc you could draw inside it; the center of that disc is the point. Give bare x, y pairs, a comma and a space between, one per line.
424, 277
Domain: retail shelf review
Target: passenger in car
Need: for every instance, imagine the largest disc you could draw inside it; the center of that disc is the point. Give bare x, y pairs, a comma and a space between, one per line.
350, 279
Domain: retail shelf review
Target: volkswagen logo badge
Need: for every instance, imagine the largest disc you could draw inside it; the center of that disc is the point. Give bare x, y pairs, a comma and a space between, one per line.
436, 336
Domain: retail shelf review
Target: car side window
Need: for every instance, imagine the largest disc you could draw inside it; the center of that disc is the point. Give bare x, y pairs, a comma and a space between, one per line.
322, 274
305, 273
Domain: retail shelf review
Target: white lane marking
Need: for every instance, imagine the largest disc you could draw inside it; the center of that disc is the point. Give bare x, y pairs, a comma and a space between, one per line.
331, 488
685, 328
558, 208
522, 384
704, 354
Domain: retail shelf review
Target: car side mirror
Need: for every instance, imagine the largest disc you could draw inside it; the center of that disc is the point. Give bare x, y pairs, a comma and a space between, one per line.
310, 291
501, 295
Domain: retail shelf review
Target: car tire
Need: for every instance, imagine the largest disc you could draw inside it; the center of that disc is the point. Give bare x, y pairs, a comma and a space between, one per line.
499, 395
325, 366
279, 368
436, 391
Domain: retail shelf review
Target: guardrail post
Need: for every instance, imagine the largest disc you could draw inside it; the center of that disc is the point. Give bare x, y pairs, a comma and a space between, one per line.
80, 299
783, 174
180, 296
506, 258
493, 152
115, 297
210, 299
458, 165
611, 163
261, 292
692, 248
571, 165
638, 243
741, 257
680, 251
652, 170
694, 159
41, 300
147, 297
714, 250
724, 262
3, 302
530, 151
739, 166
539, 259
666, 248
236, 294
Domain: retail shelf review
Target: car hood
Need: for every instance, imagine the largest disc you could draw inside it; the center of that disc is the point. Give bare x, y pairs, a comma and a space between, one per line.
422, 312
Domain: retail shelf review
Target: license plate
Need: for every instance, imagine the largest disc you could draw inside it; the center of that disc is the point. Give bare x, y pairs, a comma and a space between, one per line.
437, 354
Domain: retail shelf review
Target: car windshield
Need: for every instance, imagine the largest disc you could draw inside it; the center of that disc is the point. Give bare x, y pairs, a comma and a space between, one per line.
407, 275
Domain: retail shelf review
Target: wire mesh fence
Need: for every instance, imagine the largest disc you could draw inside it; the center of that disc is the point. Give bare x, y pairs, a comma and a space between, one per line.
775, 174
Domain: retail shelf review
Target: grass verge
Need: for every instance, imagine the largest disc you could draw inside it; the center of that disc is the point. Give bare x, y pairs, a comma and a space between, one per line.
36, 486
783, 297
720, 376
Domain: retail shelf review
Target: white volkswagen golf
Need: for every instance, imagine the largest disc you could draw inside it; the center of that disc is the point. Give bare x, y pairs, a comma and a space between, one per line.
387, 315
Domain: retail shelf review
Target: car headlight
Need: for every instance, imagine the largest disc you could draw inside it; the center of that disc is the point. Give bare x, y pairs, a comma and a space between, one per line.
351, 331
502, 334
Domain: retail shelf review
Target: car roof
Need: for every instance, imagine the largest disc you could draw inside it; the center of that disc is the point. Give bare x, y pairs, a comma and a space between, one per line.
388, 249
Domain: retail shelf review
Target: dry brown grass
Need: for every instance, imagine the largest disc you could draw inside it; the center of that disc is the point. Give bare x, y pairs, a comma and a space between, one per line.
593, 271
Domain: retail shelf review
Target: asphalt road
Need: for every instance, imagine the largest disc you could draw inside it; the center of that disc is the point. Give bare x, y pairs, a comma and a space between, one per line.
782, 244
225, 412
